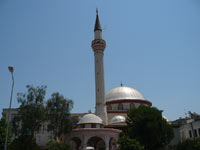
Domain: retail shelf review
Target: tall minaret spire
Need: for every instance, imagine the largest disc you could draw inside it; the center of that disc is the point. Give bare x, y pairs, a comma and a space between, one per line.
98, 46
97, 23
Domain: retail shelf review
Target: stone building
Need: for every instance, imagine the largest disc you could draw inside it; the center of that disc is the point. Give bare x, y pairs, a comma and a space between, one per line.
100, 131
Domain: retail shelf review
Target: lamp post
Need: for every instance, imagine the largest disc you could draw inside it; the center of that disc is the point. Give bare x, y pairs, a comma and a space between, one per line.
11, 69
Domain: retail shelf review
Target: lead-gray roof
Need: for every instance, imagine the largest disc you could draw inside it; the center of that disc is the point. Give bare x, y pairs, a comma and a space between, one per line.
123, 93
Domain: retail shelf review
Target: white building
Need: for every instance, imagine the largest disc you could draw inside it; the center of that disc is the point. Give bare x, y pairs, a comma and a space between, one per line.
101, 130
42, 136
190, 130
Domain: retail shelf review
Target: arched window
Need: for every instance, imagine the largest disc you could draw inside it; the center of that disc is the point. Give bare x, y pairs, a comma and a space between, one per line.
120, 106
93, 125
109, 107
82, 126
132, 105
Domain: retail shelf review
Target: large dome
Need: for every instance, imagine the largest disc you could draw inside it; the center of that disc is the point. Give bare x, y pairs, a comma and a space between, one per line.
90, 118
123, 93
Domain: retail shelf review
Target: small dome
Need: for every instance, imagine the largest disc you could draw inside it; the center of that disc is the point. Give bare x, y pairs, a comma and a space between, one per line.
118, 119
123, 93
90, 118
164, 117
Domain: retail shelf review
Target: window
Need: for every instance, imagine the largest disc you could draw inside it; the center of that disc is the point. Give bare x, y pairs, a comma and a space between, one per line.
190, 133
109, 107
120, 106
93, 125
82, 126
199, 132
49, 137
37, 139
37, 129
44, 128
132, 105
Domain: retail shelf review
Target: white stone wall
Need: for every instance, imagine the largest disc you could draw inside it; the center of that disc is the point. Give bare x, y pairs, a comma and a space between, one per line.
42, 137
105, 134
97, 34
187, 131
100, 86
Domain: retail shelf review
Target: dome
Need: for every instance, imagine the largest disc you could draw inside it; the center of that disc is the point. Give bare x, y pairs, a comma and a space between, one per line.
90, 118
118, 119
123, 93
164, 117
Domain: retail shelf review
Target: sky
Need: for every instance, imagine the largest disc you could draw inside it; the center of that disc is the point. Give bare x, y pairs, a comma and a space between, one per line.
152, 46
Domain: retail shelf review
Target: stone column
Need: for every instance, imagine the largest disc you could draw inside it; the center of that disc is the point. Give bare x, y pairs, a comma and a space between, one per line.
84, 143
107, 141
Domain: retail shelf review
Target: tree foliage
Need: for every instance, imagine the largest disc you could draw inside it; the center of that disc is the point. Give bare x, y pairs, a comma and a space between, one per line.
126, 143
189, 144
3, 126
31, 112
58, 114
147, 125
54, 145
20, 143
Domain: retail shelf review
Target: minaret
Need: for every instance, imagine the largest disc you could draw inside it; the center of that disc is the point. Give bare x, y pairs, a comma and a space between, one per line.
98, 46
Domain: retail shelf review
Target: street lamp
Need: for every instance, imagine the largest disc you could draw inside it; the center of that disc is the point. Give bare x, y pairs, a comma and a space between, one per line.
11, 69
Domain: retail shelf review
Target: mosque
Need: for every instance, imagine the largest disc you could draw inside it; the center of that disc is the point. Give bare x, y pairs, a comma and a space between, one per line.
100, 131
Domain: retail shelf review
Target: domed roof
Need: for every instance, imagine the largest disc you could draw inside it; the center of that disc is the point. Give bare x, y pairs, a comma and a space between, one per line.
123, 93
164, 117
118, 119
90, 118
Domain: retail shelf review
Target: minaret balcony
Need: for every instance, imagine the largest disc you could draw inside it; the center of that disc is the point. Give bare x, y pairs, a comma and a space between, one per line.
98, 44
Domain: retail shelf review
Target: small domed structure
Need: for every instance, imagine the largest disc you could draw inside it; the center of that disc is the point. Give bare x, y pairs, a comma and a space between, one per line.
125, 93
118, 119
90, 118
164, 117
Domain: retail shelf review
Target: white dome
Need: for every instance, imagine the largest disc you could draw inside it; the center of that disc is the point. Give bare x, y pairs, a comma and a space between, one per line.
164, 117
123, 93
118, 119
90, 118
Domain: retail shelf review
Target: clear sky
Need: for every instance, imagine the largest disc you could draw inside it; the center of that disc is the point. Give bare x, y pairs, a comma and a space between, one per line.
152, 45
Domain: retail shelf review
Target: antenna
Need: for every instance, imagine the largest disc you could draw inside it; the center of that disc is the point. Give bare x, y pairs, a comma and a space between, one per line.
185, 113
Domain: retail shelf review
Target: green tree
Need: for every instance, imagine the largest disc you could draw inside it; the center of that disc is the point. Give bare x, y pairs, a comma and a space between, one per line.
54, 145
126, 143
147, 125
19, 143
189, 144
58, 115
3, 126
31, 113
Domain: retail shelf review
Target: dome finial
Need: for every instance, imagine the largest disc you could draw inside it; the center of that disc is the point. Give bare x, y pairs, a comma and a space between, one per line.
121, 84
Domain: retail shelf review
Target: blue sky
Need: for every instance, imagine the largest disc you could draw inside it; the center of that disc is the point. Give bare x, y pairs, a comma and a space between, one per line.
153, 46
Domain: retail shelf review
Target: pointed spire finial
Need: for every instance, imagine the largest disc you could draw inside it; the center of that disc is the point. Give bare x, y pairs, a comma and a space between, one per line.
97, 11
97, 23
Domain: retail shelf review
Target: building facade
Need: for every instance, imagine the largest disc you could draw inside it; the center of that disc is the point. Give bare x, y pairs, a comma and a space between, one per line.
190, 129
100, 131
